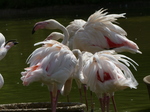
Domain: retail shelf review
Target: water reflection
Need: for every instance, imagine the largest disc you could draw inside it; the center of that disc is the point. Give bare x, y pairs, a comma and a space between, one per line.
13, 91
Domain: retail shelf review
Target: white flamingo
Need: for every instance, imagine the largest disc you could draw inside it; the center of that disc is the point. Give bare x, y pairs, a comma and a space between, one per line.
4, 47
106, 72
96, 34
52, 64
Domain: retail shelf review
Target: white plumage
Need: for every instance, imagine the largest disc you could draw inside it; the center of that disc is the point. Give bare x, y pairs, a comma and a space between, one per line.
103, 72
4, 47
106, 72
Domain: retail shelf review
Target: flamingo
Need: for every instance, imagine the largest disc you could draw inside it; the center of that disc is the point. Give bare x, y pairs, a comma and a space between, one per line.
105, 73
53, 64
53, 24
97, 33
4, 47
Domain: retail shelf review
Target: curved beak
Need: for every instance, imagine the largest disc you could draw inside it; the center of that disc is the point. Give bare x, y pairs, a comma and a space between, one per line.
36, 27
33, 30
13, 41
39, 25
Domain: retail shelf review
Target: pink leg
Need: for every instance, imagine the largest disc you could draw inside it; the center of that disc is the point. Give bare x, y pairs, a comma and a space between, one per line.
84, 86
114, 104
101, 100
104, 101
54, 100
107, 103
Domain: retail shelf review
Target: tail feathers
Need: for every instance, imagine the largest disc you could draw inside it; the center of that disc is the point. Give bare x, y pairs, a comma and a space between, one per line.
121, 44
130, 46
104, 17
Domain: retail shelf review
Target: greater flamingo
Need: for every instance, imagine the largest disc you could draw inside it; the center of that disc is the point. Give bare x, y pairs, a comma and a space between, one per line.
106, 72
97, 33
52, 64
4, 47
53, 24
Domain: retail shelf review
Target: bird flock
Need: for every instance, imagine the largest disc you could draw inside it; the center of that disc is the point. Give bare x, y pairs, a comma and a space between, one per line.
89, 54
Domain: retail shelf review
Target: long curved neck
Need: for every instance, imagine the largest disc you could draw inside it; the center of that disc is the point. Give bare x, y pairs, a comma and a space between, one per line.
66, 34
78, 55
56, 25
52, 24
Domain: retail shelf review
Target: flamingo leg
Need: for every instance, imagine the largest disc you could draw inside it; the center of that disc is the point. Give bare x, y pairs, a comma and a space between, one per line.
84, 86
54, 100
92, 104
114, 103
102, 104
80, 92
107, 103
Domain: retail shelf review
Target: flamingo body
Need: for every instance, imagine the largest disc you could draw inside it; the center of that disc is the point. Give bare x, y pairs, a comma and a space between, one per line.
52, 64
99, 33
105, 73
48, 62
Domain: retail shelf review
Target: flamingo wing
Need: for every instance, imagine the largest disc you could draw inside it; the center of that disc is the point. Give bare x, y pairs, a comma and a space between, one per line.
48, 61
100, 33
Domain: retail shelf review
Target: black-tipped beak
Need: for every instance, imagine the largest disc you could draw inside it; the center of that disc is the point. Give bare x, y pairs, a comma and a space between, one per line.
16, 43
33, 31
13, 41
39, 25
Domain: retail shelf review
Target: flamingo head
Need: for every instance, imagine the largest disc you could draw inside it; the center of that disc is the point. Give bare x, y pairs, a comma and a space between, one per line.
10, 44
47, 24
55, 36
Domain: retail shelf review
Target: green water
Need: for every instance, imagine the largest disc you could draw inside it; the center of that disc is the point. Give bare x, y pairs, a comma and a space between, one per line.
129, 100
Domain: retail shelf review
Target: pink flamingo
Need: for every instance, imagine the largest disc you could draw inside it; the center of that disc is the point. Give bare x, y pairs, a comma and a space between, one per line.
96, 34
105, 73
52, 64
